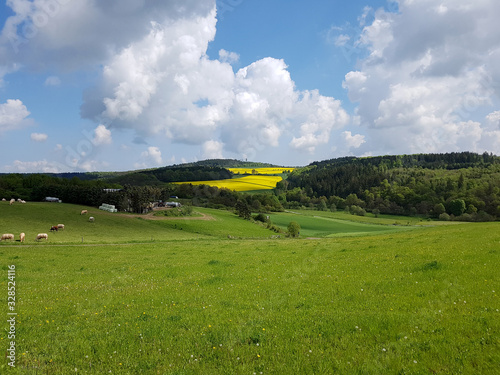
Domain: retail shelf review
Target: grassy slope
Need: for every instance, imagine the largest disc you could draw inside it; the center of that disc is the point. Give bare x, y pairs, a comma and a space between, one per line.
33, 218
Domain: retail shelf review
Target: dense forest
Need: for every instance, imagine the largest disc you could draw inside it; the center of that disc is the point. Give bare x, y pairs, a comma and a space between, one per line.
460, 186
160, 176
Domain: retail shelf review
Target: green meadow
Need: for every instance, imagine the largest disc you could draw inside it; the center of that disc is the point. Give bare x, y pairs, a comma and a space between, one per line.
178, 296
330, 225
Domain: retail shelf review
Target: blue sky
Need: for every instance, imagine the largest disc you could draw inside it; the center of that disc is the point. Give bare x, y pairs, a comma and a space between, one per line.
121, 85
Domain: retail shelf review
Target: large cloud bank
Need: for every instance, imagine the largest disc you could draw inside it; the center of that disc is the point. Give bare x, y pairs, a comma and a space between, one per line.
426, 80
430, 82
157, 79
165, 84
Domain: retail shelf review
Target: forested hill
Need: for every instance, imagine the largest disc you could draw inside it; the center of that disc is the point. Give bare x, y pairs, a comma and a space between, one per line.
450, 161
205, 170
404, 183
227, 163
164, 175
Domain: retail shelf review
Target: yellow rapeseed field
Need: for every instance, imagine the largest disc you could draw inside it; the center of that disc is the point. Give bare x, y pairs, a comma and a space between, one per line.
260, 170
243, 183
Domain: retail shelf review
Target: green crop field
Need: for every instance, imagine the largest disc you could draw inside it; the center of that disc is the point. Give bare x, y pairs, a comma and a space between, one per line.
179, 297
330, 226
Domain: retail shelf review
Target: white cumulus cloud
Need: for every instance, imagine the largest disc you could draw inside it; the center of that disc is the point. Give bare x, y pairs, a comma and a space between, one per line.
13, 115
165, 85
40, 166
102, 136
52, 81
228, 57
426, 89
150, 158
212, 150
39, 137
353, 141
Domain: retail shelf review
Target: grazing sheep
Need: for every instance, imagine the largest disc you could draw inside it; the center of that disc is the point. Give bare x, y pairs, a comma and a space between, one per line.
41, 236
4, 200
60, 226
12, 201
54, 228
91, 219
84, 212
23, 201
7, 236
21, 237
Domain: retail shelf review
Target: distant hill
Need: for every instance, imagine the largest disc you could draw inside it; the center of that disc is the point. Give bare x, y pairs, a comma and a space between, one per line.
205, 170
159, 176
209, 169
227, 163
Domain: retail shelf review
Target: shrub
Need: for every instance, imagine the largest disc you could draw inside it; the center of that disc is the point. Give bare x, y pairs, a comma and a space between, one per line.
262, 218
444, 217
356, 210
293, 229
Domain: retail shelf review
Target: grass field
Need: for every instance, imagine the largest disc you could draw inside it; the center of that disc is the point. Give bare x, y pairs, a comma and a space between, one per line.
247, 183
313, 225
34, 218
421, 301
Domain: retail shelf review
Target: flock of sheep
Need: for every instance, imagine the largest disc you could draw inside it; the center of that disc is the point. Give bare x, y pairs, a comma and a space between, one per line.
12, 201
40, 236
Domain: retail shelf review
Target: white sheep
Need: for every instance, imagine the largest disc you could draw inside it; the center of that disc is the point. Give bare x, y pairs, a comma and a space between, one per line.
41, 236
60, 226
84, 212
91, 219
4, 200
7, 236
12, 201
21, 237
